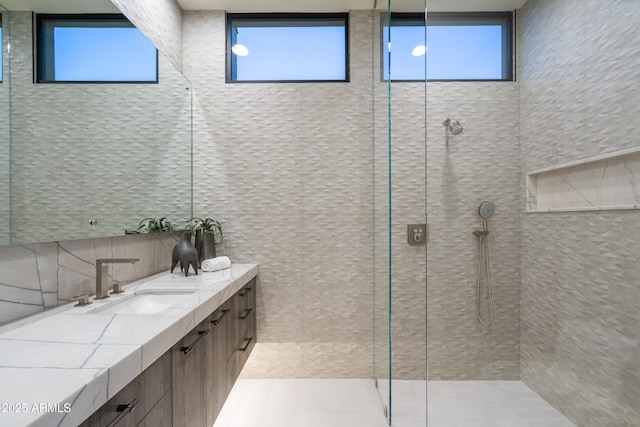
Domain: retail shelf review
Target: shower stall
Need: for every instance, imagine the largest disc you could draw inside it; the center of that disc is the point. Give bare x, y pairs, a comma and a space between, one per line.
513, 313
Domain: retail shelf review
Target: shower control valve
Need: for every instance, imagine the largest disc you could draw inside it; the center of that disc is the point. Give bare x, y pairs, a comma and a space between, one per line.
417, 234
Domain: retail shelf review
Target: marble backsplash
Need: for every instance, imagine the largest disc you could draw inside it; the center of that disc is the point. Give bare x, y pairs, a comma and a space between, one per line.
38, 276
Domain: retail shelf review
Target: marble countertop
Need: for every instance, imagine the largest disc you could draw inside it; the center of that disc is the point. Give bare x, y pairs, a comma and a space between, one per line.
58, 367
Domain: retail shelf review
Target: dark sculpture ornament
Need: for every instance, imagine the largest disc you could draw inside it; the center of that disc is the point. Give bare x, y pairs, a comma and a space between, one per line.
185, 254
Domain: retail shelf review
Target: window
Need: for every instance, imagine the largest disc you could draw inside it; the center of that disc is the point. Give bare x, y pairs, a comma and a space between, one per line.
287, 47
93, 48
459, 46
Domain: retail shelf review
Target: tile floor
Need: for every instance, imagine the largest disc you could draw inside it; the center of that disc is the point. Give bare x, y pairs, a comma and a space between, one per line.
479, 404
302, 403
355, 403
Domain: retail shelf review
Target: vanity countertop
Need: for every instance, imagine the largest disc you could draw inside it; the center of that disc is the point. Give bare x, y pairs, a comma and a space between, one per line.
58, 367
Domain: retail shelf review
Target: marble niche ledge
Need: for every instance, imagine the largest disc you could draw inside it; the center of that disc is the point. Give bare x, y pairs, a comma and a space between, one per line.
58, 367
605, 182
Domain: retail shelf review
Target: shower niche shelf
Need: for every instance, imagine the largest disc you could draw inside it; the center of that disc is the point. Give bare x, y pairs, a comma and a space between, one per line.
604, 182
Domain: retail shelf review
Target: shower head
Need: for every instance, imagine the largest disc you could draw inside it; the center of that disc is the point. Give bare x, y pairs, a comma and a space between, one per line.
486, 209
454, 126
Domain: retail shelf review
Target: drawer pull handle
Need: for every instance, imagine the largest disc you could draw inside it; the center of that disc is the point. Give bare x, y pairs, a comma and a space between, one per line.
202, 334
246, 346
247, 312
124, 410
245, 291
219, 319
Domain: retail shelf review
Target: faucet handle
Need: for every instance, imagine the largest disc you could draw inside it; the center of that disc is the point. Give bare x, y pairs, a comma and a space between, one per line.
82, 299
117, 288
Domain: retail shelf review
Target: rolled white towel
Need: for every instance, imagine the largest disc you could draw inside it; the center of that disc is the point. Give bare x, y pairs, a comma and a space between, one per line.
215, 264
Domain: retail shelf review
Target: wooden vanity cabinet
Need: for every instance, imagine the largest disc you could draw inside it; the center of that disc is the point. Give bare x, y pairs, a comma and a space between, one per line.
149, 396
199, 372
189, 360
203, 378
189, 384
241, 331
217, 388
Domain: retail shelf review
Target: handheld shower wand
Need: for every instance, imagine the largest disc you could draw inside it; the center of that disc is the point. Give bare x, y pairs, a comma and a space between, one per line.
486, 211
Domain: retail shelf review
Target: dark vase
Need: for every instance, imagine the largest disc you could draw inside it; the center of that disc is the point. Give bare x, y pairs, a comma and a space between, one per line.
205, 245
198, 245
208, 245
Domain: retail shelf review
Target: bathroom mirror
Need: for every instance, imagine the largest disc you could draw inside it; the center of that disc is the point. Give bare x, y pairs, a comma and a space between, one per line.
86, 160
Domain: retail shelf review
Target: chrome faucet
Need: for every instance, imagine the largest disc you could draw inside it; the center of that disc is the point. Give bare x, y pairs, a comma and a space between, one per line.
102, 273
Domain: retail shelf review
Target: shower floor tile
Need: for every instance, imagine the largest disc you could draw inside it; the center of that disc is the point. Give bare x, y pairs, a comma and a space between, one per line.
302, 403
355, 403
483, 404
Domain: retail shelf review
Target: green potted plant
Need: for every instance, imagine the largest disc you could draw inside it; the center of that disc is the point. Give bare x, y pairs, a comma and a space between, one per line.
208, 232
153, 225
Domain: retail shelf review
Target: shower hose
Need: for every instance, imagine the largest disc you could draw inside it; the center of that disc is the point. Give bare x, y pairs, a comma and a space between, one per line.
483, 254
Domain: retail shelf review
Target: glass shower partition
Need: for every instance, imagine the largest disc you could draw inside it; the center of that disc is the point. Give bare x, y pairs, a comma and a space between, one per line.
382, 213
399, 151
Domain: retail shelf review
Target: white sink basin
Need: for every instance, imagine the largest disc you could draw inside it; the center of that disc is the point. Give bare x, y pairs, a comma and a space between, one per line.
148, 301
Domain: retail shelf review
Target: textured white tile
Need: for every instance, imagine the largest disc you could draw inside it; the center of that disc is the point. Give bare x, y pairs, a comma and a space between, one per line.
579, 60
291, 163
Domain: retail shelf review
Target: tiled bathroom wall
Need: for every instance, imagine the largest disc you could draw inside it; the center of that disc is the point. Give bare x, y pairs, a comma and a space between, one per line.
579, 68
481, 163
288, 167
37, 276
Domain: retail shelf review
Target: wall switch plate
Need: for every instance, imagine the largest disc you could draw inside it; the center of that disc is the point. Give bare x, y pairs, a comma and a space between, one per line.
417, 234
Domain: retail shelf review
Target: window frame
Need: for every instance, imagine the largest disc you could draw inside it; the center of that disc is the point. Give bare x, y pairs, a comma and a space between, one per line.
283, 16
507, 19
39, 50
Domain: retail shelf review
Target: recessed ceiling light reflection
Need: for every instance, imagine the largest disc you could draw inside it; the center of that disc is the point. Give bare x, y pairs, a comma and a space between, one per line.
240, 50
419, 50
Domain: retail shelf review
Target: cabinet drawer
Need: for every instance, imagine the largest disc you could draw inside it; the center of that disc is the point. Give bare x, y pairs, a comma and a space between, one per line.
222, 315
246, 318
110, 411
247, 342
155, 382
189, 358
237, 328
143, 394
232, 337
216, 389
242, 351
161, 414
247, 295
